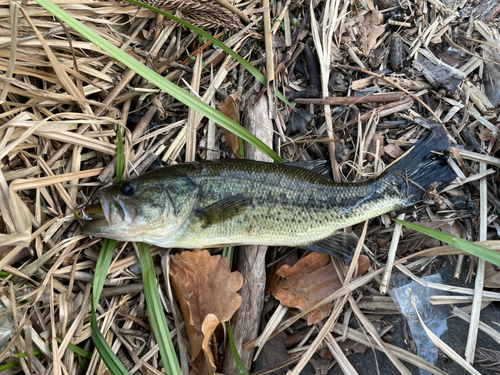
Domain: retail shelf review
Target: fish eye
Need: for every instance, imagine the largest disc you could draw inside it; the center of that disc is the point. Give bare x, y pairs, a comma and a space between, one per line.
127, 188
79, 213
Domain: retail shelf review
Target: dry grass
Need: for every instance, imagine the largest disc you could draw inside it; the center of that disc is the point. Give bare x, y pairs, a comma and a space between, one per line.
61, 98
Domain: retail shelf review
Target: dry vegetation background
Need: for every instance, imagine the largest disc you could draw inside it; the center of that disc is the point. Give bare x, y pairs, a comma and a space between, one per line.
389, 71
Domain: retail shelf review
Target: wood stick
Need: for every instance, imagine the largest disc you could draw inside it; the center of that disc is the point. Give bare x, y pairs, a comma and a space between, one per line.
252, 262
405, 102
394, 84
350, 100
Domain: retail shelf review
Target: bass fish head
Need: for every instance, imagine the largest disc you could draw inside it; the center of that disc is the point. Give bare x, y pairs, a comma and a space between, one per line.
146, 208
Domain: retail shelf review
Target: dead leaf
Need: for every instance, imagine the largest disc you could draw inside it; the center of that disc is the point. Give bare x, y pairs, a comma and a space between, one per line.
208, 328
309, 281
370, 30
382, 239
5, 250
335, 53
274, 352
206, 290
392, 150
491, 276
370, 156
485, 135
452, 227
273, 278
229, 107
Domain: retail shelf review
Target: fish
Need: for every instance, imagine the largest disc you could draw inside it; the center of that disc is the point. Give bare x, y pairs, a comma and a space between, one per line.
90, 212
234, 202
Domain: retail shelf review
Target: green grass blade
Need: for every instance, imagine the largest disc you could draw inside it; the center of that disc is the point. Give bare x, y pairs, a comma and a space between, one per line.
156, 79
156, 313
16, 363
109, 358
36, 353
464, 245
82, 352
239, 363
101, 269
228, 252
249, 67
120, 155
9, 365
114, 365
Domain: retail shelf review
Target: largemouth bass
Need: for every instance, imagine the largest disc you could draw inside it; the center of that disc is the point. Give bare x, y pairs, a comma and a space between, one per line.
238, 202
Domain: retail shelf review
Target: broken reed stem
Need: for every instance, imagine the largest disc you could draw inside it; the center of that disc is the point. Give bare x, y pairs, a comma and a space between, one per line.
391, 256
447, 288
399, 87
192, 114
339, 355
280, 18
37, 183
440, 344
493, 333
460, 48
320, 140
235, 10
354, 263
330, 323
323, 49
350, 100
268, 42
373, 332
275, 320
382, 111
127, 77
363, 280
478, 287
405, 355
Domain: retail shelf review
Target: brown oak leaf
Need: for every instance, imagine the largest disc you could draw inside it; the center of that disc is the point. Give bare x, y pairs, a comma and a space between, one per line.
229, 108
206, 290
309, 281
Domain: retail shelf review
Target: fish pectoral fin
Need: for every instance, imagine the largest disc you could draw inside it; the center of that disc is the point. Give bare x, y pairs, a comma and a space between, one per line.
341, 245
224, 209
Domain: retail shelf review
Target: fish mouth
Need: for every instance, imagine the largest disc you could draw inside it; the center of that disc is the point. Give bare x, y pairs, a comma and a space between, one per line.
114, 212
111, 218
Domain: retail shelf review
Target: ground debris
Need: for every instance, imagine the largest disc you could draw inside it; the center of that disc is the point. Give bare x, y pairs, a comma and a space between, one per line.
367, 80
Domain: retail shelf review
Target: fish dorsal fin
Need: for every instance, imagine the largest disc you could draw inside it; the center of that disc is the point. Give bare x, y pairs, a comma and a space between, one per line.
341, 245
224, 209
320, 167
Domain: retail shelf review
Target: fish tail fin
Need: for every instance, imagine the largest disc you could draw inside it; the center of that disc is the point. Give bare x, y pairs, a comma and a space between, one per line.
425, 163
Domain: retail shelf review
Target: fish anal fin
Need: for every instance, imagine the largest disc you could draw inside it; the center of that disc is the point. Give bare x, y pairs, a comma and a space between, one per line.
341, 245
224, 209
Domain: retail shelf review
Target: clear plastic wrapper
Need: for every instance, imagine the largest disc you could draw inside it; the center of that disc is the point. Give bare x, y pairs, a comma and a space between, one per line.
433, 316
6, 326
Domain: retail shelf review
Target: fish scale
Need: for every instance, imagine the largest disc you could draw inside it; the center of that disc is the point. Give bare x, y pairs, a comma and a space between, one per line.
291, 207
